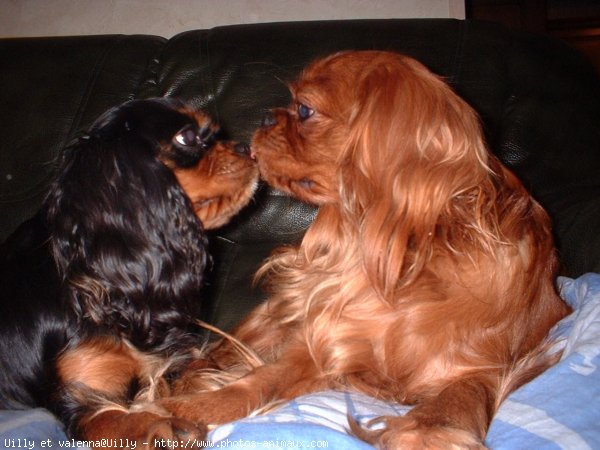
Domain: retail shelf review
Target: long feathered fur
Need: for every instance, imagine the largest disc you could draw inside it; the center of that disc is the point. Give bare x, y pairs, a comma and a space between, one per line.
101, 289
427, 276
131, 269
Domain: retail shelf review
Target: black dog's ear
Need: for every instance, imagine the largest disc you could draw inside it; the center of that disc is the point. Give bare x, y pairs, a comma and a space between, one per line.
125, 237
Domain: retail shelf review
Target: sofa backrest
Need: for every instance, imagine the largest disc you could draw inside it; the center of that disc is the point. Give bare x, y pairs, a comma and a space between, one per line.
538, 99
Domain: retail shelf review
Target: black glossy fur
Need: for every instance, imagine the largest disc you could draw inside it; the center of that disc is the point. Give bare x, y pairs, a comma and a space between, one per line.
116, 250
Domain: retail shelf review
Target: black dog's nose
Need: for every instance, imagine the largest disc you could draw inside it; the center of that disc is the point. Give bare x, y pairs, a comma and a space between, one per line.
241, 148
269, 120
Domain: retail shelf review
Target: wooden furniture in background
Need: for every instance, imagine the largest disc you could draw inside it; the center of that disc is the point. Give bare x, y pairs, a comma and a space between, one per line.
574, 21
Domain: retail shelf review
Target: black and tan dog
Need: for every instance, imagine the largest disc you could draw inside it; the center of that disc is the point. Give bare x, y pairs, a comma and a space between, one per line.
101, 288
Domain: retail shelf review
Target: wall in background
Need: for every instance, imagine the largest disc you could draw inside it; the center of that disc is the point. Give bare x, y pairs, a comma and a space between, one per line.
167, 18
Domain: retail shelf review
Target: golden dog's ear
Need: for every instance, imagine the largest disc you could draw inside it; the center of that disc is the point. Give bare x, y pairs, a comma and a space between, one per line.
413, 170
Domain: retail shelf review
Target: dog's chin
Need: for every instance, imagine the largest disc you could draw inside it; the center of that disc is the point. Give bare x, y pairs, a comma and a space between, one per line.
304, 189
219, 186
217, 211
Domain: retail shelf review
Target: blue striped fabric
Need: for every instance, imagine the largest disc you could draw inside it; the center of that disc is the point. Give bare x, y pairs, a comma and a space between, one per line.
558, 410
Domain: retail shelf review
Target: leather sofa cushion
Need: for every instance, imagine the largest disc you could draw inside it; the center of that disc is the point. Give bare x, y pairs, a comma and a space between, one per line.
539, 102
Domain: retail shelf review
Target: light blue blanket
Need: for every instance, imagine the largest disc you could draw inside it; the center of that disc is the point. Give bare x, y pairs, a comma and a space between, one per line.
558, 410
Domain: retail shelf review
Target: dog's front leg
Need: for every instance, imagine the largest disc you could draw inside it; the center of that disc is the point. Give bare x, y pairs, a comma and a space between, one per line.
281, 380
96, 378
458, 418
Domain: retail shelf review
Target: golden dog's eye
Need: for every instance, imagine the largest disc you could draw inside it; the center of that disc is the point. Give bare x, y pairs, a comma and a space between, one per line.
304, 112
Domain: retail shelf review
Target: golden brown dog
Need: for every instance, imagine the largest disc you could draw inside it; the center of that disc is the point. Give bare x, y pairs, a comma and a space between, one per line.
427, 276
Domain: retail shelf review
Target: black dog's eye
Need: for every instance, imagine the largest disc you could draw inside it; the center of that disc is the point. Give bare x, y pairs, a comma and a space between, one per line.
187, 137
304, 112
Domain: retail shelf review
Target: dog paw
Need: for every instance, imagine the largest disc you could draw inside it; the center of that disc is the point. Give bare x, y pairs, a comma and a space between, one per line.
143, 430
407, 434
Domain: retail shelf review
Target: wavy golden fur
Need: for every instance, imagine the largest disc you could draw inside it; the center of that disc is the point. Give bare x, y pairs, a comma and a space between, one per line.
427, 276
